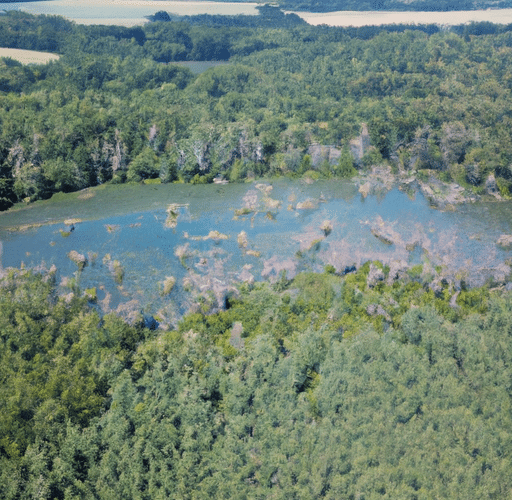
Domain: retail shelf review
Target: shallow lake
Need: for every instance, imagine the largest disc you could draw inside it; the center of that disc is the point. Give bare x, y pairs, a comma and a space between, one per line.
282, 223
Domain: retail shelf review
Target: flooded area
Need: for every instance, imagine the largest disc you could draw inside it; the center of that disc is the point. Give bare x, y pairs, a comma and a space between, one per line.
169, 249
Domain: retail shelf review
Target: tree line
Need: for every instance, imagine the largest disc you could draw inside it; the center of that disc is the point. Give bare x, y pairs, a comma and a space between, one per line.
115, 108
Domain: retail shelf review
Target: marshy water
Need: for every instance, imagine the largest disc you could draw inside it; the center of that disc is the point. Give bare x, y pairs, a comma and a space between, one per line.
208, 238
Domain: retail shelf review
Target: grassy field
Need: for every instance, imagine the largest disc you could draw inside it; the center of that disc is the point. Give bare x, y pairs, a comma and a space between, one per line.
28, 56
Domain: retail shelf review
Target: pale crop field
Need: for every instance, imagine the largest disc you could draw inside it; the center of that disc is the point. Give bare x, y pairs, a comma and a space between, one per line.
28, 56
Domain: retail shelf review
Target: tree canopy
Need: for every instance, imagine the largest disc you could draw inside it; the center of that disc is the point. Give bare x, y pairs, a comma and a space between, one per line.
430, 100
319, 387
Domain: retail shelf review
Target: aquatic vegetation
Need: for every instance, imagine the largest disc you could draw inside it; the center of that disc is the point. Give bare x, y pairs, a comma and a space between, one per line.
118, 271
410, 247
87, 194
188, 284
315, 245
105, 302
264, 188
91, 257
112, 227
384, 231
172, 215
365, 189
326, 227
505, 241
245, 276
242, 239
308, 204
242, 211
115, 268
91, 294
130, 312
271, 203
183, 253
381, 237
216, 236
168, 285
309, 239
79, 259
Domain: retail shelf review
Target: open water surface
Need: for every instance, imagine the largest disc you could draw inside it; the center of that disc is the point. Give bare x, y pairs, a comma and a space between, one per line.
283, 232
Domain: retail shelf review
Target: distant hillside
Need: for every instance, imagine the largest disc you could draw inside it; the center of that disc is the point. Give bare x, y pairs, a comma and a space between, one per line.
414, 5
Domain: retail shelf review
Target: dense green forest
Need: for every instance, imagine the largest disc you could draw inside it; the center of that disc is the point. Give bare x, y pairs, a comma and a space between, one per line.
115, 109
268, 17
325, 386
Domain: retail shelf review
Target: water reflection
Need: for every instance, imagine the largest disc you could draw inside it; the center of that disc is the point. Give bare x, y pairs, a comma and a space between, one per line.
223, 235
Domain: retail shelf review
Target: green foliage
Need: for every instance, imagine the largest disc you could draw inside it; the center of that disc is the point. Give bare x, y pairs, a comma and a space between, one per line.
305, 165
329, 269
93, 408
372, 157
415, 272
168, 169
504, 187
236, 173
345, 168
110, 111
55, 360
143, 167
315, 290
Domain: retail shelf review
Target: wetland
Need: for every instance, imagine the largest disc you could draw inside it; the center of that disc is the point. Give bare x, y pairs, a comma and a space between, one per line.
133, 241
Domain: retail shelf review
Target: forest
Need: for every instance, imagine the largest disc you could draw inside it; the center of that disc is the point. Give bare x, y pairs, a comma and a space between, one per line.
328, 385
115, 108
324, 386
